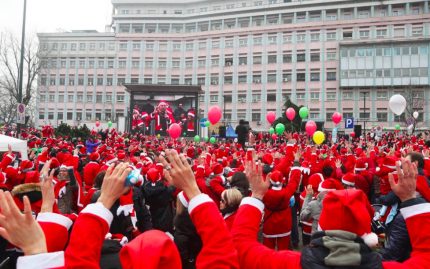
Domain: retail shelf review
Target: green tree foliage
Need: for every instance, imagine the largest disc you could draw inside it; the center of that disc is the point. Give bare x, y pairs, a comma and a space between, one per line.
290, 126
66, 130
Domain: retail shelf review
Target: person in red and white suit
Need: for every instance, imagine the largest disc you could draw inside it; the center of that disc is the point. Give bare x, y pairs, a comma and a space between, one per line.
348, 214
277, 216
162, 118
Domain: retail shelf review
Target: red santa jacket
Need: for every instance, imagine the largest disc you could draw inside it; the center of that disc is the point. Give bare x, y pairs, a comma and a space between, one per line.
253, 255
92, 226
277, 216
157, 118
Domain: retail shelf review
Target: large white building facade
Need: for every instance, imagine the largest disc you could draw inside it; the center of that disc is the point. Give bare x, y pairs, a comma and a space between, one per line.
248, 56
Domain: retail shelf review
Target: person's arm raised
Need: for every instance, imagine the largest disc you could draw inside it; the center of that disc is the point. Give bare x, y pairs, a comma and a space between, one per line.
93, 222
218, 250
251, 253
416, 213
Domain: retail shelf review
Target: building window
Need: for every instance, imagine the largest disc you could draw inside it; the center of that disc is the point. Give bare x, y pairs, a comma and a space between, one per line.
213, 99
315, 57
347, 95
301, 57
381, 116
331, 96
381, 33
331, 76
301, 77
347, 35
315, 96
331, 36
331, 56
256, 116
315, 76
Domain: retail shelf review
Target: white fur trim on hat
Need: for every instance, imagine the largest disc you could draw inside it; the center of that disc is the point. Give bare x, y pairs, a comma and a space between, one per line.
370, 239
348, 183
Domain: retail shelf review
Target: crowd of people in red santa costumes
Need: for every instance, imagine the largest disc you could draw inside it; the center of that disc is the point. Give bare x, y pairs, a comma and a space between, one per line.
128, 200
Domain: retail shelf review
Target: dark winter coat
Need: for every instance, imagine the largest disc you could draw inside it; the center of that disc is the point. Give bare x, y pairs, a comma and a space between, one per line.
160, 201
187, 240
340, 250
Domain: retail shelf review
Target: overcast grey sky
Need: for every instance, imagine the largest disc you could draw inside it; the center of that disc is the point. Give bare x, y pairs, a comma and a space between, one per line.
50, 15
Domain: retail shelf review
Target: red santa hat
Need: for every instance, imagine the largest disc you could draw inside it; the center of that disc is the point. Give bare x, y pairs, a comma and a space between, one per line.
121, 156
156, 248
390, 162
327, 185
217, 169
348, 210
110, 158
349, 179
360, 165
191, 113
267, 159
315, 180
54, 163
162, 103
153, 175
276, 179
94, 156
26, 165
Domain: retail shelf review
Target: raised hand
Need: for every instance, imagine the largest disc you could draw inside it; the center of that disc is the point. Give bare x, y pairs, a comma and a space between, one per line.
114, 184
178, 172
338, 163
309, 190
20, 229
254, 173
405, 186
48, 195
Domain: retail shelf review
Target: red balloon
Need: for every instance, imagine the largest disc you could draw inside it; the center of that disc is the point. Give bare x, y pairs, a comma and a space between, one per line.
175, 130
290, 113
311, 127
214, 114
352, 134
336, 118
97, 123
274, 136
271, 116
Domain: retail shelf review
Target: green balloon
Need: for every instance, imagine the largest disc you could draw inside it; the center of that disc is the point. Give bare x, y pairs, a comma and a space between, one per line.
109, 124
397, 127
205, 139
304, 112
280, 128
207, 124
271, 130
212, 140
197, 139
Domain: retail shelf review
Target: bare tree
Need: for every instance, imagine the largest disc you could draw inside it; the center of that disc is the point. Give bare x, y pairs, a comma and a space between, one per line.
10, 51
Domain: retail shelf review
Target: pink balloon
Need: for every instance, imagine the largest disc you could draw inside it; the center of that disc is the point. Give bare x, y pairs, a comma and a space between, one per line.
352, 134
97, 123
336, 118
291, 113
214, 114
175, 130
311, 127
270, 117
274, 136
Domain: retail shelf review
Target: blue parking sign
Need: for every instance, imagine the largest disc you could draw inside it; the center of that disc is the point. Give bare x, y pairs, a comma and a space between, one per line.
349, 123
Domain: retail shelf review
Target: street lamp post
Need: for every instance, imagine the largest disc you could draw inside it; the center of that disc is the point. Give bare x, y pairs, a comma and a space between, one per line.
21, 63
364, 120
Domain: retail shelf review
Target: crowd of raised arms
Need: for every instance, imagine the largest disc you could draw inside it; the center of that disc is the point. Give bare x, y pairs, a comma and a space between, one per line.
120, 200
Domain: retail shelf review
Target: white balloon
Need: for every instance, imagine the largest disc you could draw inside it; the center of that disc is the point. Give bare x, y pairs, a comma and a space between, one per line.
397, 104
415, 114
